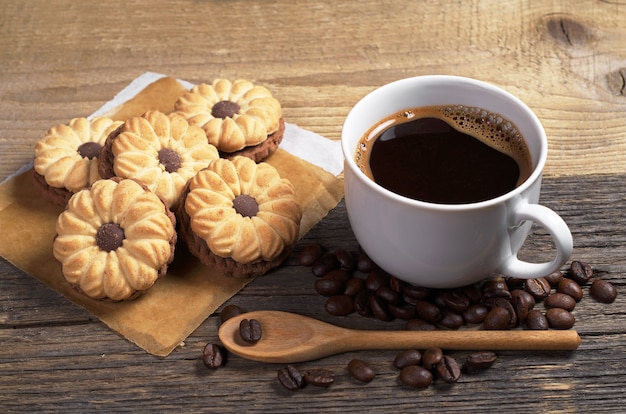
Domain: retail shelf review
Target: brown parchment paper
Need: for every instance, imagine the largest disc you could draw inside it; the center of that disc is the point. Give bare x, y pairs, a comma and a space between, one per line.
163, 317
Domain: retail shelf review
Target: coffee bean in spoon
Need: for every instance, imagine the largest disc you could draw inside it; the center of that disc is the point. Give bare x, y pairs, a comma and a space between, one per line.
250, 330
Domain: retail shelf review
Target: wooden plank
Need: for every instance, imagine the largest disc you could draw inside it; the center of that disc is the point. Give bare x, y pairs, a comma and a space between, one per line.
563, 58
54, 357
63, 59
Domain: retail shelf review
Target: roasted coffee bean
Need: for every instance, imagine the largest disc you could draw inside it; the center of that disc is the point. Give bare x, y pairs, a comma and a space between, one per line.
229, 311
437, 300
324, 264
496, 288
479, 361
361, 371
522, 302
580, 272
407, 357
560, 300
388, 295
603, 291
448, 369
339, 305
338, 274
536, 320
416, 293
319, 377
309, 254
555, 278
539, 288
571, 288
451, 320
396, 284
499, 302
498, 318
212, 356
431, 357
346, 260
361, 303
416, 376
419, 325
405, 312
329, 287
408, 300
505, 304
375, 279
290, 378
473, 293
364, 264
250, 330
354, 286
455, 300
475, 314
512, 314
514, 282
560, 318
379, 308
427, 311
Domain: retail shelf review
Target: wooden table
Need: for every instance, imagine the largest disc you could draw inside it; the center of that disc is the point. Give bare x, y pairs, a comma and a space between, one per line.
566, 59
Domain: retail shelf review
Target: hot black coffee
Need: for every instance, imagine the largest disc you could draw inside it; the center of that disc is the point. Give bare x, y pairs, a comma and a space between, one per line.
445, 154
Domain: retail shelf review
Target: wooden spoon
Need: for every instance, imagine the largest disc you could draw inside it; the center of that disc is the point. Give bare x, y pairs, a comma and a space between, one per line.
288, 338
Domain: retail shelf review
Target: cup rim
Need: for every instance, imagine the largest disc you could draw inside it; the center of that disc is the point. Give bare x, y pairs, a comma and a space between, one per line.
348, 153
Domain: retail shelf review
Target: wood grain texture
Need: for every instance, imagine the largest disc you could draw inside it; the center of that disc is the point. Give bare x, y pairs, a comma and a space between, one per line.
565, 59
56, 357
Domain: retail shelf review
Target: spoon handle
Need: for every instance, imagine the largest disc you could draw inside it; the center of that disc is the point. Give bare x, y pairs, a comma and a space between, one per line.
554, 340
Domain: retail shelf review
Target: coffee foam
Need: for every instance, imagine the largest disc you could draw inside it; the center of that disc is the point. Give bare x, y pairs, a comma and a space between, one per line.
490, 128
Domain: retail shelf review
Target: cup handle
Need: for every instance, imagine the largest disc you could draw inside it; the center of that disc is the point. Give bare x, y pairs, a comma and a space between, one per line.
561, 236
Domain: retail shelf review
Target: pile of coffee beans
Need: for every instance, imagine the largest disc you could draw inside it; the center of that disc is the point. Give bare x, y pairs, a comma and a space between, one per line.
419, 370
352, 282
291, 378
416, 369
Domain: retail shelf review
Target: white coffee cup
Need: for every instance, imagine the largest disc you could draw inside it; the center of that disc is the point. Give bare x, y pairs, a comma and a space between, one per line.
446, 245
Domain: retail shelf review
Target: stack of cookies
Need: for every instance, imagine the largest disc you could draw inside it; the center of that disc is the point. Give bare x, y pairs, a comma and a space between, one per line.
130, 188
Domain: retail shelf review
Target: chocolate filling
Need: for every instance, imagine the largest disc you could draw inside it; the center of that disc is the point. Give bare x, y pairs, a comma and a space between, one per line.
89, 150
225, 109
109, 237
245, 205
169, 159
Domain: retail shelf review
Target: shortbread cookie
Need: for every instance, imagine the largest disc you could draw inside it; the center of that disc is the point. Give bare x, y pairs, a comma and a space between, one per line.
239, 216
239, 118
